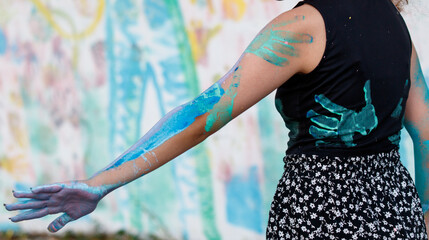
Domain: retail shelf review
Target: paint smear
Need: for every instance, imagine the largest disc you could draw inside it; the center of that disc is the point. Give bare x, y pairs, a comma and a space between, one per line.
3, 42
348, 125
270, 43
179, 120
221, 115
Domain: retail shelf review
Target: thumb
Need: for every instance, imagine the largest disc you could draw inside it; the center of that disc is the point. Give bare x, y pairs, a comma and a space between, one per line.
59, 223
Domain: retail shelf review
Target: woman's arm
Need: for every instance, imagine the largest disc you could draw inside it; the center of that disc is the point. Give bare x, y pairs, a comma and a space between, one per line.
292, 43
417, 124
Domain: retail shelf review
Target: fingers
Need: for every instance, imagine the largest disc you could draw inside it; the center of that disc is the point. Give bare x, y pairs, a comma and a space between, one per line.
292, 37
329, 105
32, 214
41, 196
367, 90
326, 122
52, 188
271, 57
284, 49
59, 223
319, 133
312, 113
30, 204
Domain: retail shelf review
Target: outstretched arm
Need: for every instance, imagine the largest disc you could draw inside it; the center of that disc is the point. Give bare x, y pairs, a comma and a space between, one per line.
417, 124
293, 42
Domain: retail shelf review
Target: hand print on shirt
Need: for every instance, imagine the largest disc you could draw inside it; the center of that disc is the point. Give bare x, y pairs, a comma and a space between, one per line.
349, 123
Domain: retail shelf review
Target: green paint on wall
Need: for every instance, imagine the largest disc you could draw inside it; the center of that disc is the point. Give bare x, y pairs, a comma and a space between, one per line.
204, 175
42, 137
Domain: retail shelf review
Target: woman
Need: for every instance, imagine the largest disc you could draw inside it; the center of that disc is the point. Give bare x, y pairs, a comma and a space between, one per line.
347, 75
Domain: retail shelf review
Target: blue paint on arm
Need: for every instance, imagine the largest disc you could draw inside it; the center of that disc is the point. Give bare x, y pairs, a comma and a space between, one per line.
173, 124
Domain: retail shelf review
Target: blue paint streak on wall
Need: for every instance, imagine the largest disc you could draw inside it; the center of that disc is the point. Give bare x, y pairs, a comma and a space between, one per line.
129, 75
158, 17
155, 12
172, 67
150, 76
3, 42
128, 78
110, 43
9, 226
244, 201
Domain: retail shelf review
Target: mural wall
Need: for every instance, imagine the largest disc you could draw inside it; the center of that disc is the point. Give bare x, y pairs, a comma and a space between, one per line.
81, 81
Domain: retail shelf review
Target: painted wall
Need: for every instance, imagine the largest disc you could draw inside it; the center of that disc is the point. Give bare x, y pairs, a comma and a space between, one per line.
80, 81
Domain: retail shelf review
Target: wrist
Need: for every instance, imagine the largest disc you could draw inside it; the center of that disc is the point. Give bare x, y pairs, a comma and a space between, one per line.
100, 186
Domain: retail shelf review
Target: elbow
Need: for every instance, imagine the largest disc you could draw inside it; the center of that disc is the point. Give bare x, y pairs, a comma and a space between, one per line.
198, 130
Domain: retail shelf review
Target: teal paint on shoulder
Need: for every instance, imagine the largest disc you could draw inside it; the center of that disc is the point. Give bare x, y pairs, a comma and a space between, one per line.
349, 123
222, 112
270, 42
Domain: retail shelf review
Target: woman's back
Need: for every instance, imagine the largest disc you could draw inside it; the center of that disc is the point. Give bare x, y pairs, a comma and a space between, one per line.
354, 101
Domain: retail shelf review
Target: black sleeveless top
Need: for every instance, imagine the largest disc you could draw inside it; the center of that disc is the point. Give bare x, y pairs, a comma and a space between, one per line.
353, 102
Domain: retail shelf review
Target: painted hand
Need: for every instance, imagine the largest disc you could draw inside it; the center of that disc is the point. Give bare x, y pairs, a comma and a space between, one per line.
74, 199
350, 122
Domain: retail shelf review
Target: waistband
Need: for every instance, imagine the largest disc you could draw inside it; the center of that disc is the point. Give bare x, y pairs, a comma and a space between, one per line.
314, 166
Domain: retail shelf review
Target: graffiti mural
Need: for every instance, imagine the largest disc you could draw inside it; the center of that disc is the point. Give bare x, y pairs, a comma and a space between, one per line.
81, 81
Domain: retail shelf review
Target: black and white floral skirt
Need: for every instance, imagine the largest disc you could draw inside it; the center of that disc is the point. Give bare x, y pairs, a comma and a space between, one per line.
370, 197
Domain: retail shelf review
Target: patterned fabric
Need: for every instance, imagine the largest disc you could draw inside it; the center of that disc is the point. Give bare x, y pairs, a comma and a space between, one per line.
369, 197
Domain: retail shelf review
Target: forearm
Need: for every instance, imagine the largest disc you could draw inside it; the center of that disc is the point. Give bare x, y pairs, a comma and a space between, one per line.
421, 158
175, 133
417, 125
139, 160
421, 161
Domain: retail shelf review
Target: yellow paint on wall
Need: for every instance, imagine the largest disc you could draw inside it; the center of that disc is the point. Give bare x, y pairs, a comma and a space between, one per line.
199, 38
73, 36
19, 136
17, 166
234, 9
16, 99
